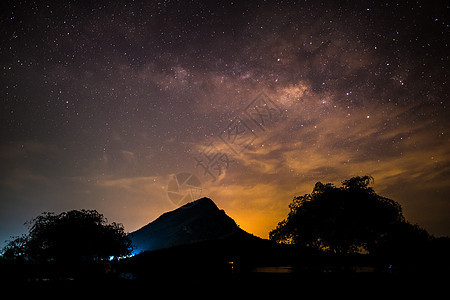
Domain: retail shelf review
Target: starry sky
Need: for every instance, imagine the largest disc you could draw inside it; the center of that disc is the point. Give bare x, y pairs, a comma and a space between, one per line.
105, 103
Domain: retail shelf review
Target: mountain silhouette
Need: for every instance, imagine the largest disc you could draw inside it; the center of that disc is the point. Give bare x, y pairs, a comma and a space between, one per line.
200, 220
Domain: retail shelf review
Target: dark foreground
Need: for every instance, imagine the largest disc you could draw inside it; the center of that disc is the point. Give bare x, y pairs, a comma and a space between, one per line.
261, 281
232, 269
256, 284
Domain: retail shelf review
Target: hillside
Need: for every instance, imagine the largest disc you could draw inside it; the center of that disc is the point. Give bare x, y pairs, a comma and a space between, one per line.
200, 220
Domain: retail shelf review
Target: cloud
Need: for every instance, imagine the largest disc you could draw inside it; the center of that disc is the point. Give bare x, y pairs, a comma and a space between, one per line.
19, 179
28, 163
133, 185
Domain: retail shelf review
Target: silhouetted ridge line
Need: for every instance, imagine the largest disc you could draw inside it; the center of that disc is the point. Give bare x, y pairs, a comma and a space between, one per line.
200, 220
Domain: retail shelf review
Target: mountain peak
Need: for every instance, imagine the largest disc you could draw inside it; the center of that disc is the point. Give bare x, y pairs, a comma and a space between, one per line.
195, 221
205, 202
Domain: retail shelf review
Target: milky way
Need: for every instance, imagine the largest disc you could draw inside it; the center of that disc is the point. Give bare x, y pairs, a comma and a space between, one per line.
104, 103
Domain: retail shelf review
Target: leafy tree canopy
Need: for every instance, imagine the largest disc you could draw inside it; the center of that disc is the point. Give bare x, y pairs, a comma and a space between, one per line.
72, 236
341, 220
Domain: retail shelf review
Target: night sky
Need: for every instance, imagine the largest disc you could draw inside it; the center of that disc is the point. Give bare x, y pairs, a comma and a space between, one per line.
103, 104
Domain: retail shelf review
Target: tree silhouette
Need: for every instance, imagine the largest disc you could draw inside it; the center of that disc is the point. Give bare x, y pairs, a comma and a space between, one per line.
341, 220
15, 250
403, 242
73, 236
